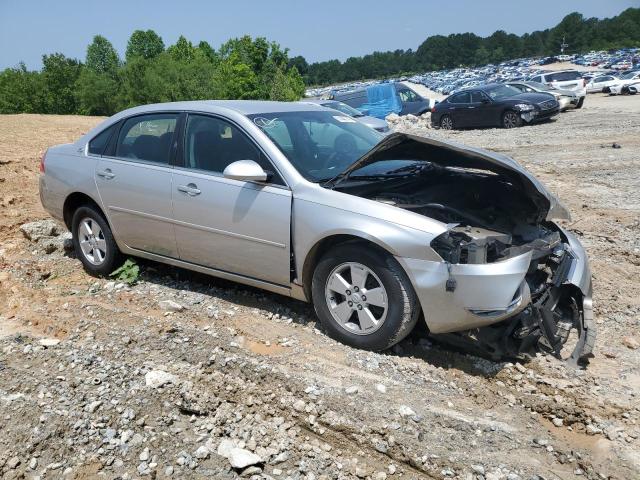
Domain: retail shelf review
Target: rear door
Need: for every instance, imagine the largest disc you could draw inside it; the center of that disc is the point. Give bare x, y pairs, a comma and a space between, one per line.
229, 225
459, 109
134, 182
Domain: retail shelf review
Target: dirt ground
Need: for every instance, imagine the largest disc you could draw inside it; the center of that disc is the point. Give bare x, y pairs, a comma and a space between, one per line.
254, 369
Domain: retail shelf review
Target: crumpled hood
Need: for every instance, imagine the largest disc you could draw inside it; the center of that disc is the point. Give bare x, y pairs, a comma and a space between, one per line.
532, 97
405, 146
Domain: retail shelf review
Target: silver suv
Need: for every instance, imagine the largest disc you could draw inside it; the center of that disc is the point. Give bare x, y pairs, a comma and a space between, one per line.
309, 203
566, 80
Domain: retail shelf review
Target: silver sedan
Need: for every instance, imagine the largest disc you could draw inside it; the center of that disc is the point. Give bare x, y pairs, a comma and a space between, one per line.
305, 201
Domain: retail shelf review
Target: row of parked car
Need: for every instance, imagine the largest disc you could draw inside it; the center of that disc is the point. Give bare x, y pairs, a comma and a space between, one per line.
511, 94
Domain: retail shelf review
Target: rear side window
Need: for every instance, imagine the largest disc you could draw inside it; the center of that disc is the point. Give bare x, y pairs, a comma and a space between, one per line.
563, 76
99, 142
537, 79
147, 137
463, 97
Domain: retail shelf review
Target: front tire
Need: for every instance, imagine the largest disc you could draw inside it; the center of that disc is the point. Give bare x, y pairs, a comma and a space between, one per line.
363, 297
511, 119
93, 242
580, 103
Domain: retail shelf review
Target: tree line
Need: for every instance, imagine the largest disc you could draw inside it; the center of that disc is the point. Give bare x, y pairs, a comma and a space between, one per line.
242, 68
467, 49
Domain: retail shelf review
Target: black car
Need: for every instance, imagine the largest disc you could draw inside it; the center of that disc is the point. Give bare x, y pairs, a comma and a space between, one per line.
493, 105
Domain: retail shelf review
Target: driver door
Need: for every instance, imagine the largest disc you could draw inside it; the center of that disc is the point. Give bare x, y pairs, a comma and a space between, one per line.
230, 225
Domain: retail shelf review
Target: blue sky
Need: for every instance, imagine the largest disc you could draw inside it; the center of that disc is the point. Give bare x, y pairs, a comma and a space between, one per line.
319, 30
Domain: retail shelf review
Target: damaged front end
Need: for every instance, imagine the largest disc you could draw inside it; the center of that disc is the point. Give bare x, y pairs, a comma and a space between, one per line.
551, 307
510, 281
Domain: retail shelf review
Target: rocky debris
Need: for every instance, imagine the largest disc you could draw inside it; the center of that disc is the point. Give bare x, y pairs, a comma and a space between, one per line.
631, 343
159, 378
241, 458
49, 235
49, 342
170, 306
409, 123
35, 231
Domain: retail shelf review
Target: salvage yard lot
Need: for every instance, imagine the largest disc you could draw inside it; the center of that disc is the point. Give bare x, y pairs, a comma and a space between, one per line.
252, 367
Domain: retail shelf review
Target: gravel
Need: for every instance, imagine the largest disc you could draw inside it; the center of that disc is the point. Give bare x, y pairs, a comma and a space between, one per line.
185, 376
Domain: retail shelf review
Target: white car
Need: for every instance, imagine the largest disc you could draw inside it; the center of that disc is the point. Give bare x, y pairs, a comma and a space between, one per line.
601, 83
621, 87
565, 80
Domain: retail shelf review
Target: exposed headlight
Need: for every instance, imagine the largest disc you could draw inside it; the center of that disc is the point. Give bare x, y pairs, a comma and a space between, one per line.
524, 107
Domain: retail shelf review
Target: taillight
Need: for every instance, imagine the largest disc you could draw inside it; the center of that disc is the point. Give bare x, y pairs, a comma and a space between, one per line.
433, 109
42, 161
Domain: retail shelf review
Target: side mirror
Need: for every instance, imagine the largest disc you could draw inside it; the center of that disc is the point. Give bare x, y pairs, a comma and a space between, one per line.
364, 111
245, 170
486, 101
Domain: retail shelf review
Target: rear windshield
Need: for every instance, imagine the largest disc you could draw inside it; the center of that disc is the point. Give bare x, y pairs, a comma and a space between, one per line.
563, 76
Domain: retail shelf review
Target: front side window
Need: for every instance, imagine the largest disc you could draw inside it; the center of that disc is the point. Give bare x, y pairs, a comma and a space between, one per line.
147, 137
99, 142
211, 144
407, 95
477, 97
320, 145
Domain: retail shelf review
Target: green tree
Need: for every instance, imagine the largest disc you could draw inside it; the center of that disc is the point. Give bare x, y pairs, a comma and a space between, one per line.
183, 50
59, 75
21, 91
97, 93
144, 44
102, 58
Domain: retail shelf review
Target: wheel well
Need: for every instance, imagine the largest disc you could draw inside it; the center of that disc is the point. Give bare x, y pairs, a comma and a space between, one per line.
323, 246
75, 201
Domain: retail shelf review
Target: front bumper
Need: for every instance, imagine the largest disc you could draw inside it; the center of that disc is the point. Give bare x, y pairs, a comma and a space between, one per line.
539, 115
487, 293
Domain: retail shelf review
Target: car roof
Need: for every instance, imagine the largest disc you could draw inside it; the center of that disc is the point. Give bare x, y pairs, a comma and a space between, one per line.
244, 107
318, 101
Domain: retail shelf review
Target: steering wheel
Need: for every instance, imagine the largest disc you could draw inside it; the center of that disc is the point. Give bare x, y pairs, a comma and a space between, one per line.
344, 148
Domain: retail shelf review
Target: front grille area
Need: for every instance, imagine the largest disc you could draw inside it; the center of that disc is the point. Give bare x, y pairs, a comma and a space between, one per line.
548, 104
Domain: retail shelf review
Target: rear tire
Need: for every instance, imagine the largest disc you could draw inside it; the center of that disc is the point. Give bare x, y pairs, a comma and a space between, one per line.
93, 242
580, 103
511, 119
341, 282
446, 122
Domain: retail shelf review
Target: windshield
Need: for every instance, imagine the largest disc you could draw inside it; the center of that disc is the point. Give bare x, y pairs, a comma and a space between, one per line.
320, 145
628, 75
344, 108
502, 91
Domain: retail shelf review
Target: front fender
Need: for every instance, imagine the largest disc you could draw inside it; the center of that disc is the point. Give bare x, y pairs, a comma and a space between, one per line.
314, 222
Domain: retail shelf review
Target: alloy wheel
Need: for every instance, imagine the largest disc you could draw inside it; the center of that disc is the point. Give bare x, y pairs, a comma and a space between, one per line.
510, 120
446, 123
356, 298
92, 241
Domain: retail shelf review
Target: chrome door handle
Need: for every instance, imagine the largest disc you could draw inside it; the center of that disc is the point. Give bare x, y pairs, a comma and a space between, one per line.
190, 189
106, 174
